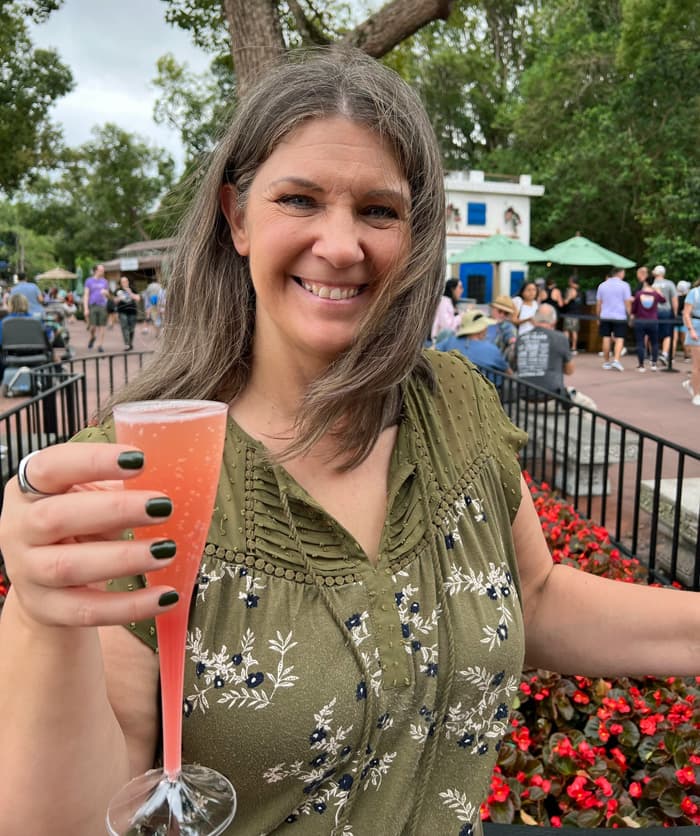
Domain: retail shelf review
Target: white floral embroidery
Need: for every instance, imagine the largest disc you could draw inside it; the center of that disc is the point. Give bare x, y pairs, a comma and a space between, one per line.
497, 585
213, 573
221, 669
465, 810
477, 723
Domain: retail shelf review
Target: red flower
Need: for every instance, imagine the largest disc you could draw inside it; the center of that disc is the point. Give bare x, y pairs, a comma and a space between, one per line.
689, 807
555, 821
581, 698
686, 776
604, 785
635, 789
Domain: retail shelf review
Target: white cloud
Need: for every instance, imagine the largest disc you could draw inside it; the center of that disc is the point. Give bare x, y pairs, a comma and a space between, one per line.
112, 47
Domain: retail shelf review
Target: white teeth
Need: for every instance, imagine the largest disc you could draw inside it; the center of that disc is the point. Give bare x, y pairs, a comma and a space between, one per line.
334, 293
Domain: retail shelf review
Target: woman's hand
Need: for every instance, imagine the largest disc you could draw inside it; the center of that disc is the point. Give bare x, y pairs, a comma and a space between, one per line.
60, 549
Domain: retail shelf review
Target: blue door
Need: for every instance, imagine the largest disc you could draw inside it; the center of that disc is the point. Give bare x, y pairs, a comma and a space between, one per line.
477, 280
517, 277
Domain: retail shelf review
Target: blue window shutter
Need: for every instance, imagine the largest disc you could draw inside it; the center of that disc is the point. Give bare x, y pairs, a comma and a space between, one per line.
476, 214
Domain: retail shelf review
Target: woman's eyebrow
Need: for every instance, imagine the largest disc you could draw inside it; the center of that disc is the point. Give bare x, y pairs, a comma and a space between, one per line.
373, 194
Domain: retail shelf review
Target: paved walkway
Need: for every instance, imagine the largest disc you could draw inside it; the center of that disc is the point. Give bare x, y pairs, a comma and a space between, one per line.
653, 401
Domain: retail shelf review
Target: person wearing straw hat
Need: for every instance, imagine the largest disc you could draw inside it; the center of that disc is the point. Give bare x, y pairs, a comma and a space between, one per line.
504, 333
470, 340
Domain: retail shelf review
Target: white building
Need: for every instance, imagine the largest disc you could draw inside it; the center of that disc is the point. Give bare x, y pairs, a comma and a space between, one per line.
478, 207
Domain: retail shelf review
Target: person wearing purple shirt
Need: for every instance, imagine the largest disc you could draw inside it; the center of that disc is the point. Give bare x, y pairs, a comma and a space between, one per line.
613, 302
644, 311
95, 305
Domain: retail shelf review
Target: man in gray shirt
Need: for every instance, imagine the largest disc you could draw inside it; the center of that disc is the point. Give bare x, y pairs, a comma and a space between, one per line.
667, 311
543, 354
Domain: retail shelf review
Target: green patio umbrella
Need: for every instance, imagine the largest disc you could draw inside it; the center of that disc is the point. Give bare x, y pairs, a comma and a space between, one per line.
495, 249
582, 252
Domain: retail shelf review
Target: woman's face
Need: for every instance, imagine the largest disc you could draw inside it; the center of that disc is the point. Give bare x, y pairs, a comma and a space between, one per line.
457, 292
325, 221
529, 292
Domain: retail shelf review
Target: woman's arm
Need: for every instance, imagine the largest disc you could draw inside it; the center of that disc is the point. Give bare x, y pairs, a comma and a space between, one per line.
578, 623
688, 319
79, 695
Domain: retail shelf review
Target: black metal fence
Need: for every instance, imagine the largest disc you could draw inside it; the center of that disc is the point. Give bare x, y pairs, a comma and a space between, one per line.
643, 489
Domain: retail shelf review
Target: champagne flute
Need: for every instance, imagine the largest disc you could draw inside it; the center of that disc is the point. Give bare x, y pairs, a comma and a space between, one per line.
182, 442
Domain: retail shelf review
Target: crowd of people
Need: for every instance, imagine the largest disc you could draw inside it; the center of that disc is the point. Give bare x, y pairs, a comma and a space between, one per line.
664, 316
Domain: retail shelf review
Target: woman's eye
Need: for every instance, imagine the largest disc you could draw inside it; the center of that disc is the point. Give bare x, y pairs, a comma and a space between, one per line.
380, 212
298, 201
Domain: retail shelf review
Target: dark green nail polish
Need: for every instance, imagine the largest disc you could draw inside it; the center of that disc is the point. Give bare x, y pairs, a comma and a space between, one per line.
160, 506
163, 549
131, 460
168, 598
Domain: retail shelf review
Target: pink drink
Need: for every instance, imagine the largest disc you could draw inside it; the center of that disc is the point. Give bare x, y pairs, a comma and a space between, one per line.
183, 444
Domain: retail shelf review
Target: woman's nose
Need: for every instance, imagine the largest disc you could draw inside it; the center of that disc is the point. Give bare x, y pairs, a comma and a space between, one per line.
338, 240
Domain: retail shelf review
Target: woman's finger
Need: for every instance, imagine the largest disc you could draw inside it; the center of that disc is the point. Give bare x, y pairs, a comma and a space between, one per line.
77, 564
87, 607
92, 514
57, 469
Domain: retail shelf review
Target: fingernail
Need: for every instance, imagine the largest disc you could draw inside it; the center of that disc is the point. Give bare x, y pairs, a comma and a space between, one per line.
130, 460
168, 598
159, 506
163, 549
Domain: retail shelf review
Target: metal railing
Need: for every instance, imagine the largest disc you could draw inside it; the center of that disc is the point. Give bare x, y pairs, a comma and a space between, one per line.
68, 396
635, 484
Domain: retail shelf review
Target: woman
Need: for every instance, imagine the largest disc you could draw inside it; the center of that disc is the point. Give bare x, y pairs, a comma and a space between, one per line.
525, 306
644, 311
126, 300
447, 316
375, 568
691, 320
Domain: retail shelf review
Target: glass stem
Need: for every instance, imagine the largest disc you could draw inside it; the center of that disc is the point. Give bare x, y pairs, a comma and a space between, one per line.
171, 629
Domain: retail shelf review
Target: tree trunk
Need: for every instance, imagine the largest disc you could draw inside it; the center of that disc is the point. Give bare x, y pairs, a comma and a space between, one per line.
256, 38
394, 22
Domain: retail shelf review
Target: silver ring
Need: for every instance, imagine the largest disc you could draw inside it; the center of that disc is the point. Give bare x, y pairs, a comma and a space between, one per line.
24, 484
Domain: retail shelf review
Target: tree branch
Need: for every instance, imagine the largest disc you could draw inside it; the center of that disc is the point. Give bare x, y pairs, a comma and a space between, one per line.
394, 22
310, 33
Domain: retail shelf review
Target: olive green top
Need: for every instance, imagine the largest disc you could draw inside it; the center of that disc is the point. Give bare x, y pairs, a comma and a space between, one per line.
337, 694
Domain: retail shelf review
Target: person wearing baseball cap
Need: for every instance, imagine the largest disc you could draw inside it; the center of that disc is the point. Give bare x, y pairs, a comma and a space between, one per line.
667, 311
470, 340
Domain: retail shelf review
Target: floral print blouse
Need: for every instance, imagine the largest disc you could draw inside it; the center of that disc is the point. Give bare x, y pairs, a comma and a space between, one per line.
345, 698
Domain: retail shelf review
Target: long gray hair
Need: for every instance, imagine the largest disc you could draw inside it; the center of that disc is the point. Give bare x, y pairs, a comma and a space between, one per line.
206, 345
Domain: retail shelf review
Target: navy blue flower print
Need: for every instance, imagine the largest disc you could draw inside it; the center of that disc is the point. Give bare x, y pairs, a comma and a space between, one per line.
361, 692
251, 600
498, 678
320, 806
501, 712
219, 682
345, 782
502, 632
466, 740
353, 621
449, 541
319, 760
415, 607
199, 669
187, 707
467, 830
237, 659
291, 819
255, 679
317, 735
432, 669
416, 645
405, 630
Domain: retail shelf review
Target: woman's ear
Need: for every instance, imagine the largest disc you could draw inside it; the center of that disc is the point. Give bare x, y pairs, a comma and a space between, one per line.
228, 200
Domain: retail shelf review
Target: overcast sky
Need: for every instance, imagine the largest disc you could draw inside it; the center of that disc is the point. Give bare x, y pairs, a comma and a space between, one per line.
111, 47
